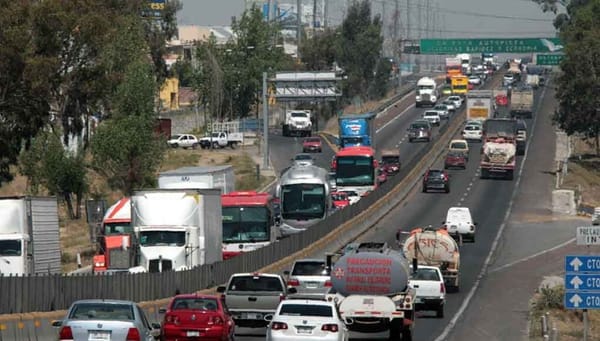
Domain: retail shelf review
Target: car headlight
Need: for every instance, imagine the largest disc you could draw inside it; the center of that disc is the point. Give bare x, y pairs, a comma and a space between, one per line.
418, 97
433, 98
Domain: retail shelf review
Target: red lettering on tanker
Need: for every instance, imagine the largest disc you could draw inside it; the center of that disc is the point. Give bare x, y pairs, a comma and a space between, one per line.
368, 275
429, 243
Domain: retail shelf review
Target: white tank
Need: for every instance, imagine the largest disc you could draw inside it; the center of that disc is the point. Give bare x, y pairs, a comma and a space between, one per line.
431, 247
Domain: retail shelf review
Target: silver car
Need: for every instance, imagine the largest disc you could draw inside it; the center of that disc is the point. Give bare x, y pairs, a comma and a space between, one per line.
106, 320
310, 278
303, 159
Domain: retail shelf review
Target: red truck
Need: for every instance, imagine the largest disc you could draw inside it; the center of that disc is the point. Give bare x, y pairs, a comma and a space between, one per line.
115, 240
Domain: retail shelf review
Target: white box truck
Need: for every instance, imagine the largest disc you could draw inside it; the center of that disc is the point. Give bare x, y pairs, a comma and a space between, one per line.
479, 105
29, 236
176, 229
297, 122
220, 177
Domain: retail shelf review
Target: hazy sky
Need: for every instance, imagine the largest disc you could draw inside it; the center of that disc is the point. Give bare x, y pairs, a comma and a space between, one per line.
455, 18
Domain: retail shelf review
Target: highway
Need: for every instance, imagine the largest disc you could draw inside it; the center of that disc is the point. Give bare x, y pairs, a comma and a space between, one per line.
488, 201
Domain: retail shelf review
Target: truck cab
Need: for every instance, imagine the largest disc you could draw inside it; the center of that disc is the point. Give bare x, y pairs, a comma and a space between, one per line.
297, 122
427, 93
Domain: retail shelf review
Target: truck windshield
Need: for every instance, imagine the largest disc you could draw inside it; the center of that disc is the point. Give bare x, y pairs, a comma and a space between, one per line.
10, 247
351, 141
117, 228
299, 114
390, 160
426, 87
500, 128
303, 201
355, 171
246, 224
459, 87
162, 238
215, 135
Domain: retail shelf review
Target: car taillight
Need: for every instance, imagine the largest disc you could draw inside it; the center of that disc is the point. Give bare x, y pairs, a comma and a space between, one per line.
171, 319
442, 288
279, 326
293, 283
65, 333
281, 297
327, 284
215, 320
133, 335
330, 328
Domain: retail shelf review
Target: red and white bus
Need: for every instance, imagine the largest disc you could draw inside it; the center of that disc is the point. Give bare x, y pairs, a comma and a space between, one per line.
356, 170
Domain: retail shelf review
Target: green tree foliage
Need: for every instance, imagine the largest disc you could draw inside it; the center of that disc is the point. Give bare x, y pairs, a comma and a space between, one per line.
319, 52
208, 77
579, 81
359, 48
184, 72
125, 149
562, 19
381, 82
48, 164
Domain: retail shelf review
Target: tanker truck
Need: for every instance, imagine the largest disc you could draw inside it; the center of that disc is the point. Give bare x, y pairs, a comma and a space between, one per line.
435, 248
370, 289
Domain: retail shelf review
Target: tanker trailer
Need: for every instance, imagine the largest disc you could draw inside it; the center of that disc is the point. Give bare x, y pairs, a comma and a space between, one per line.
435, 248
370, 289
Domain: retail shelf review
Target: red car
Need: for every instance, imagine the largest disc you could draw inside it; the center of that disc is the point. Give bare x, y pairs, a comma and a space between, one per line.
382, 177
455, 159
312, 144
340, 199
470, 86
197, 317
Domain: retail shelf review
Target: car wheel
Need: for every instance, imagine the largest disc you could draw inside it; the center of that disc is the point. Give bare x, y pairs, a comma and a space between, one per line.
439, 313
424, 189
447, 189
215, 145
175, 145
410, 140
194, 146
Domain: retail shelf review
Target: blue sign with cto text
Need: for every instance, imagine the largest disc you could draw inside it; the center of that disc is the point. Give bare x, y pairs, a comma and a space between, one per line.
582, 263
582, 282
582, 300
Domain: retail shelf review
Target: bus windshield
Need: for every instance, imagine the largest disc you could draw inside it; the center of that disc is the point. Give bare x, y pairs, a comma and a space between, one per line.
246, 224
355, 171
303, 201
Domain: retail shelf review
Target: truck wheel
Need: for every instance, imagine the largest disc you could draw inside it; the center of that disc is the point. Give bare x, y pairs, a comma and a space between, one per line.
215, 145
510, 175
424, 189
439, 313
407, 334
484, 174
175, 145
309, 134
194, 146
395, 332
232, 145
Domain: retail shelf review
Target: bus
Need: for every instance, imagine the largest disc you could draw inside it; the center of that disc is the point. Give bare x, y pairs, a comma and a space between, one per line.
356, 170
248, 222
460, 85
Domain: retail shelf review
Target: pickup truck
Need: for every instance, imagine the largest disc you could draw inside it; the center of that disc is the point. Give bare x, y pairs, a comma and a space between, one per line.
252, 296
431, 291
221, 140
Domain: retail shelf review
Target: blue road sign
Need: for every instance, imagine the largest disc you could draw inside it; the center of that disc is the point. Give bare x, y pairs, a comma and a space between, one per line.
582, 264
582, 282
582, 300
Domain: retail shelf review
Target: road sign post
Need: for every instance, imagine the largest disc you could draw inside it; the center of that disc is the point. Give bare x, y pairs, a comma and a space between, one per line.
582, 277
492, 45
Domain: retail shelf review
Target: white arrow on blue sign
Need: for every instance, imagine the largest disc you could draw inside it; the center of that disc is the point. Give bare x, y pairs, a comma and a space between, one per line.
582, 282
582, 263
582, 300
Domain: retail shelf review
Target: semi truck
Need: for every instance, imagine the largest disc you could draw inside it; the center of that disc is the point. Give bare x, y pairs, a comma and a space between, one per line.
370, 288
29, 236
115, 236
427, 93
521, 102
357, 130
453, 68
499, 148
297, 122
465, 62
480, 105
220, 177
176, 229
434, 247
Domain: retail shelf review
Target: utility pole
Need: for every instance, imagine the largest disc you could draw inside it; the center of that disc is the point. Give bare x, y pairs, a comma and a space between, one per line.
408, 35
325, 12
419, 31
396, 41
314, 20
265, 104
298, 27
428, 31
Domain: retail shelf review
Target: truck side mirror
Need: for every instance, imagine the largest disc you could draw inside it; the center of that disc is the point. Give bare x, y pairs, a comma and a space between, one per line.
162, 310
221, 289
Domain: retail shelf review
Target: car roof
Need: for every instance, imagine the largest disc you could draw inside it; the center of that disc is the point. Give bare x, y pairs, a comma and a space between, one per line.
425, 267
196, 296
307, 302
312, 260
109, 301
458, 141
255, 274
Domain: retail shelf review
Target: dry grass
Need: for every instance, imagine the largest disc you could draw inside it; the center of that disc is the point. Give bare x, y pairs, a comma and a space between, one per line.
568, 323
584, 172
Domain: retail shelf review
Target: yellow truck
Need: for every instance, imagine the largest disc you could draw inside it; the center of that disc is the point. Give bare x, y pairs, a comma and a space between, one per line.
460, 85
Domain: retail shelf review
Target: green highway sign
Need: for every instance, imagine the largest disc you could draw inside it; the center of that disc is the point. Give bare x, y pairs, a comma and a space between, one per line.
492, 45
549, 59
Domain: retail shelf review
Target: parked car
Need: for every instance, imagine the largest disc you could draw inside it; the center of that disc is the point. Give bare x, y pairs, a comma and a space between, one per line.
442, 110
102, 319
184, 141
428, 282
221, 139
196, 316
433, 117
310, 278
461, 146
312, 144
303, 159
472, 132
455, 159
458, 101
460, 224
419, 130
297, 320
436, 179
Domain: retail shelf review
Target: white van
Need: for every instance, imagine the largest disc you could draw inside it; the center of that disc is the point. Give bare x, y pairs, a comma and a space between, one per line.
459, 223
596, 216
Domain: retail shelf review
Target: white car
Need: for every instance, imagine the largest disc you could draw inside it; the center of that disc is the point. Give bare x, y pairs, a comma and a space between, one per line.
299, 319
433, 117
458, 101
459, 224
450, 105
472, 132
183, 140
428, 282
303, 159
475, 80
442, 110
353, 197
310, 278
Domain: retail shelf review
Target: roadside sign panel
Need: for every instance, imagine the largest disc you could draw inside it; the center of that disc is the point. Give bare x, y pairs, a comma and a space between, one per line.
582, 300
491, 45
583, 263
549, 59
582, 282
588, 235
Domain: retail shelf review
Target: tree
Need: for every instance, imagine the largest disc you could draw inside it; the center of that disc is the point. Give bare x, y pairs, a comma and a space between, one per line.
380, 84
359, 48
319, 52
579, 81
125, 149
562, 19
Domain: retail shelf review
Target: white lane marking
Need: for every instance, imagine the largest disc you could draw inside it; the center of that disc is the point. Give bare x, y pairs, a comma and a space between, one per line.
496, 241
532, 256
394, 119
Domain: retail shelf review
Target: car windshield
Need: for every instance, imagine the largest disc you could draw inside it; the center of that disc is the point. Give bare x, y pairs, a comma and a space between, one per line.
454, 98
313, 140
299, 114
195, 304
431, 113
440, 107
424, 274
351, 193
310, 268
102, 311
458, 145
294, 309
303, 157
255, 283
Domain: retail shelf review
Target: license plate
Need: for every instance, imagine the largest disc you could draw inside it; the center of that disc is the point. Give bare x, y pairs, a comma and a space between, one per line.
252, 316
304, 330
312, 285
98, 336
192, 333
